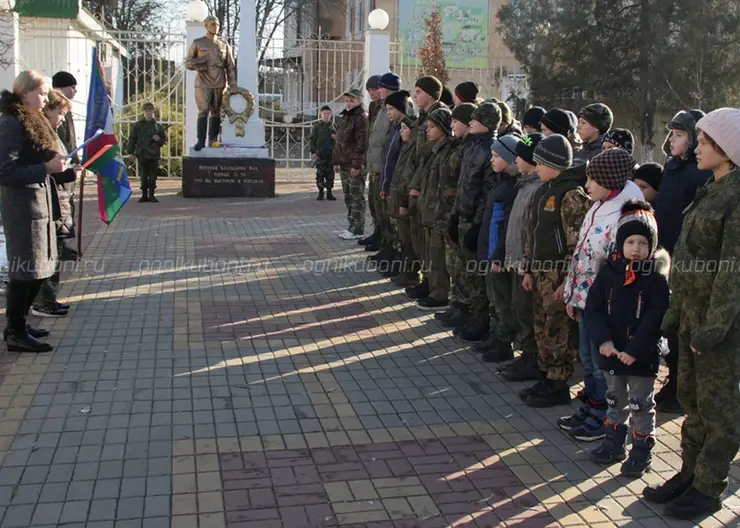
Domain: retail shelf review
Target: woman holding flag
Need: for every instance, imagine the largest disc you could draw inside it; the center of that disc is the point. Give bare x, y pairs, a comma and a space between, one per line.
29, 154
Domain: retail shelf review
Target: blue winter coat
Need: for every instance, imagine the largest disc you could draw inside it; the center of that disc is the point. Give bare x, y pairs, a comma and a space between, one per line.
629, 315
681, 179
391, 151
492, 238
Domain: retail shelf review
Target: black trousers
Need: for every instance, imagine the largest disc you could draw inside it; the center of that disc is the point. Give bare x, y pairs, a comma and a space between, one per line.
19, 298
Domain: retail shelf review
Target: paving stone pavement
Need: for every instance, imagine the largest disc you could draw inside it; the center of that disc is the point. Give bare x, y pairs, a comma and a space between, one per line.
233, 363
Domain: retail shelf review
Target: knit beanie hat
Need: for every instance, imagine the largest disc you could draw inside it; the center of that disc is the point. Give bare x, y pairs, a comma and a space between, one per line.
408, 121
372, 82
612, 168
488, 115
63, 79
506, 115
467, 91
463, 112
558, 121
638, 218
430, 85
446, 97
505, 146
554, 152
390, 81
442, 117
651, 173
150, 106
621, 137
526, 145
723, 126
399, 100
599, 115
533, 116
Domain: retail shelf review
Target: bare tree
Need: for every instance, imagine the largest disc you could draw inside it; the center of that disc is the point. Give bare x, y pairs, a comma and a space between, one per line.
130, 15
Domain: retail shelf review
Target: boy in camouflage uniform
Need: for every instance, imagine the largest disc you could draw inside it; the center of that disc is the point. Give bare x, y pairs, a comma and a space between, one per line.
322, 146
349, 160
145, 145
558, 210
467, 217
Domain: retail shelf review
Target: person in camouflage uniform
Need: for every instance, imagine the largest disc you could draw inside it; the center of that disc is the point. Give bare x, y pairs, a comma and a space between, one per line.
349, 160
558, 209
458, 312
427, 93
145, 146
467, 217
704, 312
321, 145
594, 121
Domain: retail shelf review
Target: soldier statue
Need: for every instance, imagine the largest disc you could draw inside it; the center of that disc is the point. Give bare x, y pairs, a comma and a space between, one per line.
213, 59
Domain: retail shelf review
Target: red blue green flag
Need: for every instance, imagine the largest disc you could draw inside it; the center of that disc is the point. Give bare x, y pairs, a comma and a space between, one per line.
114, 189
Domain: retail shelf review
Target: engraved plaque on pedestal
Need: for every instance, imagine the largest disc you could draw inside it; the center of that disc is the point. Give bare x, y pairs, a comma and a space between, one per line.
228, 177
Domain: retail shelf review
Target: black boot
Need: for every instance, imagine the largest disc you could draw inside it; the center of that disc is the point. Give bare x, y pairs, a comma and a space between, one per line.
457, 320
671, 489
202, 129
611, 448
666, 400
500, 351
488, 341
554, 393
693, 505
152, 198
372, 239
214, 127
449, 312
330, 196
144, 196
419, 291
406, 280
537, 388
472, 332
641, 456
320, 197
523, 369
22, 341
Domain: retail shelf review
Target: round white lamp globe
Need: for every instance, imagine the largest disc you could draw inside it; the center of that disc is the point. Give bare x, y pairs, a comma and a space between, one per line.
7, 5
196, 11
378, 19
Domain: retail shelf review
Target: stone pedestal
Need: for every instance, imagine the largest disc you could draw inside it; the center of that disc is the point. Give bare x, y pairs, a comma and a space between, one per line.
228, 177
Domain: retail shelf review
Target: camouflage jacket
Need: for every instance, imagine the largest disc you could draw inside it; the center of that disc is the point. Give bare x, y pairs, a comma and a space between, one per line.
142, 142
402, 177
321, 141
351, 138
476, 165
423, 147
703, 279
434, 169
448, 180
66, 133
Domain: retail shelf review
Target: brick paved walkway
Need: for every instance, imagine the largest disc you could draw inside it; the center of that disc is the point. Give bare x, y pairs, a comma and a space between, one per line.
210, 374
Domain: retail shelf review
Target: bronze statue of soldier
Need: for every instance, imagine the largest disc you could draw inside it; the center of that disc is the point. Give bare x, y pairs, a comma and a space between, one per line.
213, 59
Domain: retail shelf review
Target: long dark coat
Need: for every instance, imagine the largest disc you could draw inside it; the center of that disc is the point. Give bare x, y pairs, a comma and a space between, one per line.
27, 142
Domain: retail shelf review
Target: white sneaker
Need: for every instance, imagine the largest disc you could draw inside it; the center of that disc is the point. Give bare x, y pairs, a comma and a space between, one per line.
347, 235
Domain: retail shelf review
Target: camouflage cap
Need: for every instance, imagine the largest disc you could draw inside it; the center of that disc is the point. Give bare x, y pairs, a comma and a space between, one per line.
353, 92
442, 118
599, 115
488, 115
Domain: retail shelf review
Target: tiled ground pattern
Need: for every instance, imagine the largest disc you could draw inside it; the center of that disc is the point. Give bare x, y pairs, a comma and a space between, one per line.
233, 363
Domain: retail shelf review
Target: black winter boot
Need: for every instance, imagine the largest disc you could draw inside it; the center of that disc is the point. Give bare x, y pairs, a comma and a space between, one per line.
330, 196
419, 291
321, 195
202, 130
152, 198
612, 446
498, 352
641, 457
472, 332
449, 312
535, 389
523, 369
488, 341
693, 505
372, 239
671, 489
144, 196
555, 392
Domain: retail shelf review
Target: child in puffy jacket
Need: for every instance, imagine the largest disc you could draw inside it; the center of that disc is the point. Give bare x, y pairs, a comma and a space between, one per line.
624, 312
608, 186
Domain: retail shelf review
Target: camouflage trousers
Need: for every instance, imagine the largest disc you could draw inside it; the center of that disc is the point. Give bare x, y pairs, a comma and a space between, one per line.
148, 173
708, 389
324, 174
353, 188
434, 262
418, 242
473, 280
552, 327
388, 235
457, 274
411, 263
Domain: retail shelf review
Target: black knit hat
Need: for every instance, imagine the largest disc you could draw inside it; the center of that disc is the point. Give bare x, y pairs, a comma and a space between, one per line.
447, 97
554, 152
638, 218
651, 173
372, 82
149, 106
488, 115
442, 117
467, 91
599, 115
463, 112
525, 147
390, 81
430, 85
399, 100
558, 121
63, 79
506, 115
612, 168
533, 116
621, 137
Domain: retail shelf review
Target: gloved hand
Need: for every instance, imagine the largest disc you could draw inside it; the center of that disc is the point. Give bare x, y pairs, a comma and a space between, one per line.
452, 228
68, 176
471, 237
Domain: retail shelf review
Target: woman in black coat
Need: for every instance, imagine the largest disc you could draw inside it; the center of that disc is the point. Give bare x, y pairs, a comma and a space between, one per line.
29, 154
